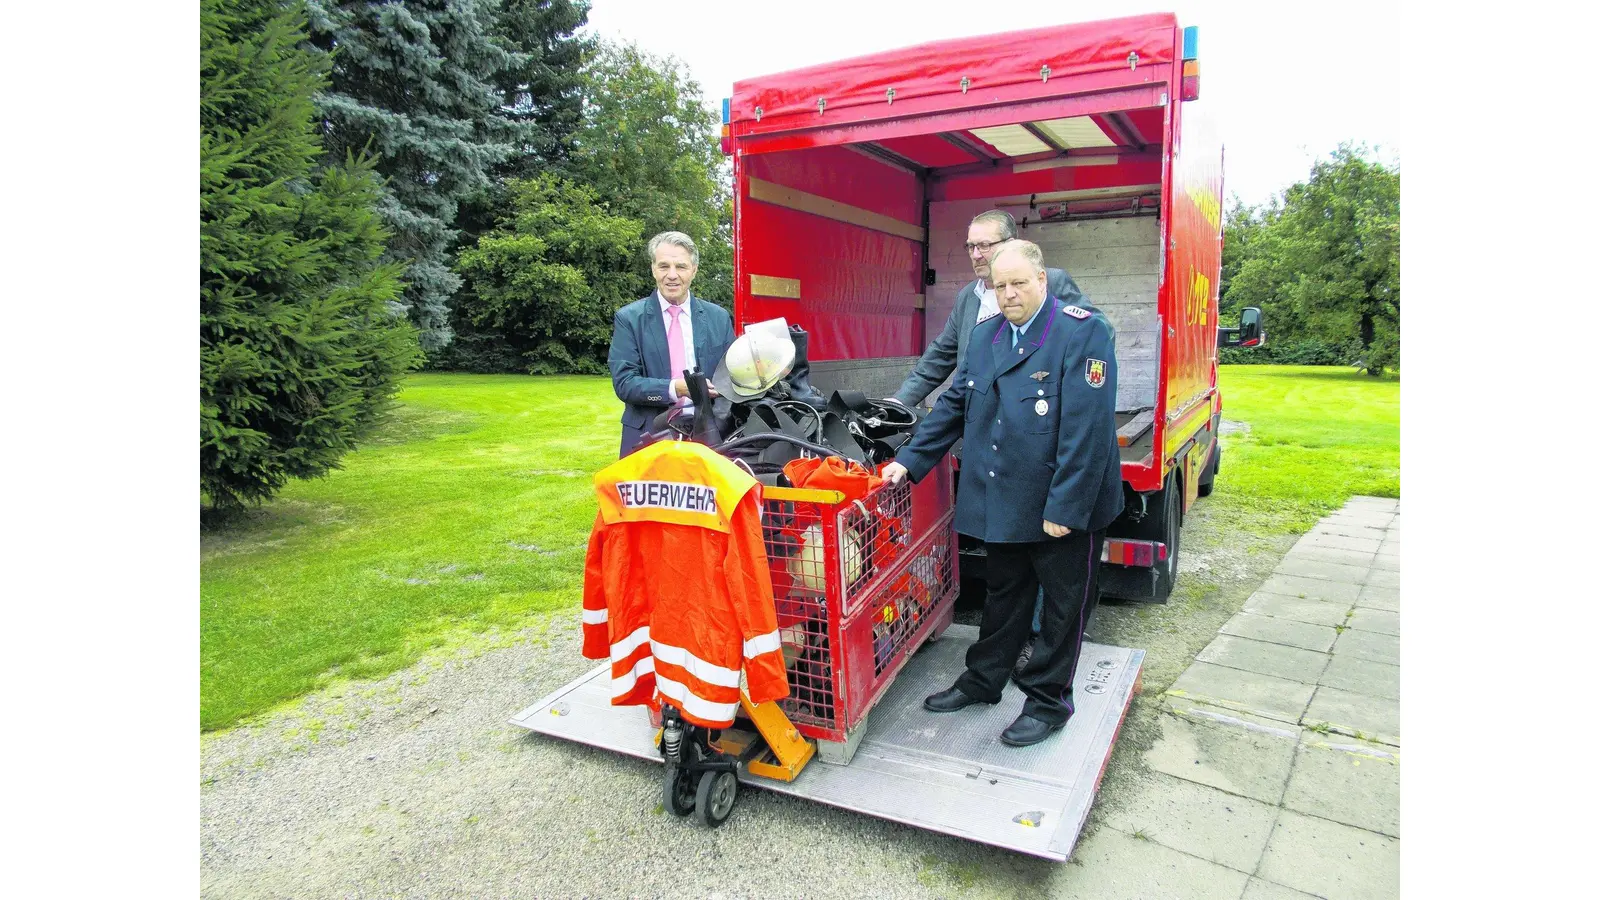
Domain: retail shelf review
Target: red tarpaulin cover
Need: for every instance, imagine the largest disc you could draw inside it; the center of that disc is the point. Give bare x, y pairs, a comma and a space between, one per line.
938, 67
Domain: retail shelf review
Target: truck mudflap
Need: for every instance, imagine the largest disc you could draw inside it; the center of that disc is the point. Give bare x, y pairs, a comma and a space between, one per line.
942, 772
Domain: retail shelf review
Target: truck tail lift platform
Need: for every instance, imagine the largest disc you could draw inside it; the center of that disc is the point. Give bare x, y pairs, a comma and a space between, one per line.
864, 591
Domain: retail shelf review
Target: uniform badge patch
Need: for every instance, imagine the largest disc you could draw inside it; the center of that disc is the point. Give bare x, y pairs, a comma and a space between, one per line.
1040, 407
1077, 312
1039, 376
1094, 372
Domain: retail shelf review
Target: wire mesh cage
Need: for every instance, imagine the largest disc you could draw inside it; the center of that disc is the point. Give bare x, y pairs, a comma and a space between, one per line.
874, 532
854, 591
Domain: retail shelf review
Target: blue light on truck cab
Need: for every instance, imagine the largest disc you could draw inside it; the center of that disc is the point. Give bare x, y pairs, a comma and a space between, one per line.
727, 100
1191, 50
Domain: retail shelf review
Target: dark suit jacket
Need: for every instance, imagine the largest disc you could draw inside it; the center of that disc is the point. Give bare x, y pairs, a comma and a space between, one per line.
950, 347
641, 364
1025, 463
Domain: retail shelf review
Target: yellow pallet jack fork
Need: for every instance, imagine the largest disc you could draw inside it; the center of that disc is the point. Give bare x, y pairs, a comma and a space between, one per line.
785, 751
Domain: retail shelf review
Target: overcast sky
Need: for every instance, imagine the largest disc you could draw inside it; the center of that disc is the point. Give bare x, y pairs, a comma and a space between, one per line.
1287, 81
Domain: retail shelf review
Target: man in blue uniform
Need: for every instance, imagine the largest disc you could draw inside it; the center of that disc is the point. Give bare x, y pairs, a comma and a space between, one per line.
1034, 402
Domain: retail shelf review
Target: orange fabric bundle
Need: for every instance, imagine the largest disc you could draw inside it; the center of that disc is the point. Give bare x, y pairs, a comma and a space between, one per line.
832, 473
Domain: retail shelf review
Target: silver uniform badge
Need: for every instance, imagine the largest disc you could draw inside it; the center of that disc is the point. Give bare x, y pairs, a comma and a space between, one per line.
1041, 407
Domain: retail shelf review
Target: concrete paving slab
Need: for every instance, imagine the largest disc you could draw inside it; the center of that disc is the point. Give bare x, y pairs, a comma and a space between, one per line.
1311, 588
1346, 529
1359, 715
1374, 597
1363, 558
1362, 676
1382, 621
1330, 859
1117, 865
1203, 745
1301, 567
1386, 563
1201, 821
1362, 500
1252, 692
1347, 780
1384, 579
1316, 612
1261, 889
1266, 658
1281, 631
1384, 648
1340, 542
1367, 518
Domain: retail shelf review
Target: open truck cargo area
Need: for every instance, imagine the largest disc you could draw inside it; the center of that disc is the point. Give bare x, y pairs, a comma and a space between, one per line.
854, 183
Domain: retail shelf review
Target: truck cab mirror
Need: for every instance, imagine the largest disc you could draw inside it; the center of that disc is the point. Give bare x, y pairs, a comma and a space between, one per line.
1250, 332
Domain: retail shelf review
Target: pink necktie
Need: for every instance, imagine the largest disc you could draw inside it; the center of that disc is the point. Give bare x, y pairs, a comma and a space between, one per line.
679, 356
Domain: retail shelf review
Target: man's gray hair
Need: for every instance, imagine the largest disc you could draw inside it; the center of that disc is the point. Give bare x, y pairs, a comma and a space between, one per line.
1027, 249
1000, 219
677, 239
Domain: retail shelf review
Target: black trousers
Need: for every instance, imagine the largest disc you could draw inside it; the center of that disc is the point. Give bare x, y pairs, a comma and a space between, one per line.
1068, 568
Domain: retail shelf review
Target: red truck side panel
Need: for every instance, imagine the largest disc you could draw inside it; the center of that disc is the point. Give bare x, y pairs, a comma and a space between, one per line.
1194, 263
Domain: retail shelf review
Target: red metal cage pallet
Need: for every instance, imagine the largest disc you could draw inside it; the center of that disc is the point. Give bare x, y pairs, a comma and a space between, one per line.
858, 586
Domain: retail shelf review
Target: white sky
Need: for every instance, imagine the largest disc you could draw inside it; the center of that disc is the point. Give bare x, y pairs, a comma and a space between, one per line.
1286, 81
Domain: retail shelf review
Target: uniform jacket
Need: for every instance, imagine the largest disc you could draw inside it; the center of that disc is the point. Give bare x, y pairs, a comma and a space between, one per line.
950, 347
676, 590
1039, 427
641, 363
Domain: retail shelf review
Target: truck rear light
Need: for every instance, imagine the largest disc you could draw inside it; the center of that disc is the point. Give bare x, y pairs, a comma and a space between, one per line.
1191, 79
1133, 553
726, 142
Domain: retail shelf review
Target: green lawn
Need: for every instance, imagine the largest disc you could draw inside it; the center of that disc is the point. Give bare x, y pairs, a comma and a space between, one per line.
1317, 435
472, 510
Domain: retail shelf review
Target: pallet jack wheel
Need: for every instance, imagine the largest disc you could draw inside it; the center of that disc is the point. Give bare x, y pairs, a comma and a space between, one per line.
713, 802
677, 786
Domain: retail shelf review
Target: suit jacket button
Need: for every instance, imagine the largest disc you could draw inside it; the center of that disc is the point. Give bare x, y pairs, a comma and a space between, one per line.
969, 384
991, 474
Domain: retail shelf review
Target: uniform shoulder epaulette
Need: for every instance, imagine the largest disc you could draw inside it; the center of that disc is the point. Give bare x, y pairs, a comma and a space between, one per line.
1076, 312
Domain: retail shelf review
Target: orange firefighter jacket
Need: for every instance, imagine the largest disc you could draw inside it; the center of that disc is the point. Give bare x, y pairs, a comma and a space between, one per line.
676, 590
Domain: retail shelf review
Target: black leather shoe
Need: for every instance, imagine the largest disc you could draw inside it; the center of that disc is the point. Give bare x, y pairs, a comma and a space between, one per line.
1027, 731
948, 701
1022, 660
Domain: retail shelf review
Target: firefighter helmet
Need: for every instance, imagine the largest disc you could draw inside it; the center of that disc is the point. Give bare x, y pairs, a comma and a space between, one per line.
755, 362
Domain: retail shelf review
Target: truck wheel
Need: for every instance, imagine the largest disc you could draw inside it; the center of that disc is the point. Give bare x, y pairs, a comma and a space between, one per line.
1208, 476
1171, 535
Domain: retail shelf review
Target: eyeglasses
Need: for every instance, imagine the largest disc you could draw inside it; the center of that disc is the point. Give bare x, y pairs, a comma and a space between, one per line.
982, 246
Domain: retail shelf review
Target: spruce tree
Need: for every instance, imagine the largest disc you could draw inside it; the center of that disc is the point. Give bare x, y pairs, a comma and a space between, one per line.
417, 83
300, 347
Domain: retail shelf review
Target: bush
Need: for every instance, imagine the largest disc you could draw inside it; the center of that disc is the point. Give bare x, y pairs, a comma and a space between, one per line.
1293, 353
544, 286
300, 345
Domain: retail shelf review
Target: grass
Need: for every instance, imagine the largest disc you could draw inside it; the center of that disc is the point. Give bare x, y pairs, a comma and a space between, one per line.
470, 512
1318, 435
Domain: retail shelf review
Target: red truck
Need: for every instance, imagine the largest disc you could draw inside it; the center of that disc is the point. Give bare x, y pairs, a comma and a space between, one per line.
854, 183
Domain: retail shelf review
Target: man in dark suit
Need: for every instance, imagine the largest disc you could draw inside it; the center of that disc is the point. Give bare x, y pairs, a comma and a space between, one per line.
1035, 403
975, 303
653, 340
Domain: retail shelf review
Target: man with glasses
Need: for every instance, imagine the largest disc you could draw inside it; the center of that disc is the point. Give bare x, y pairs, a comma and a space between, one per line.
977, 303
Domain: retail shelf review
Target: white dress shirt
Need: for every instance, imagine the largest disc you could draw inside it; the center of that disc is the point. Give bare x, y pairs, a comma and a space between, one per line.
988, 303
687, 327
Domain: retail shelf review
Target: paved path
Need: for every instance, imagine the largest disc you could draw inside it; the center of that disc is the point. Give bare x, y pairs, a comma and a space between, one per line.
1277, 773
